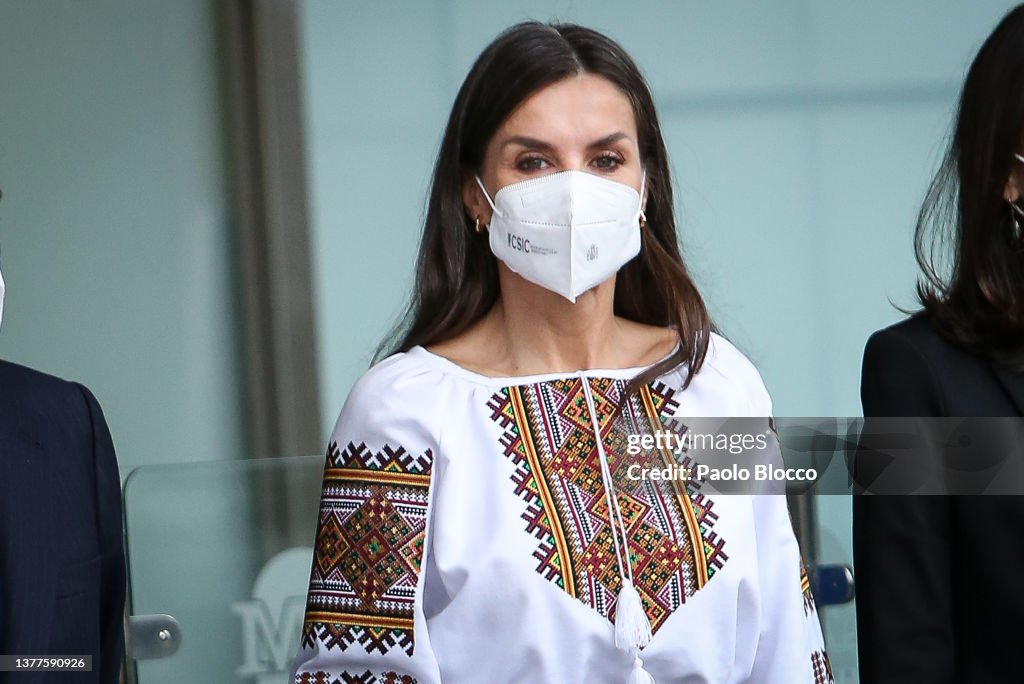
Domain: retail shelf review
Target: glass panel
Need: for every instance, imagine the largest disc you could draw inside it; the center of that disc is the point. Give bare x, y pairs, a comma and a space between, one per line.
225, 548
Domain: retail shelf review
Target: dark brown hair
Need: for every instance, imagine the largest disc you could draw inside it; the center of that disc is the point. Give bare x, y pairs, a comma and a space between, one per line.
456, 274
973, 265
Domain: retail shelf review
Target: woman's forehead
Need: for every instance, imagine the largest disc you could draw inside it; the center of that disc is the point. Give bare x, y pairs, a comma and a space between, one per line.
574, 111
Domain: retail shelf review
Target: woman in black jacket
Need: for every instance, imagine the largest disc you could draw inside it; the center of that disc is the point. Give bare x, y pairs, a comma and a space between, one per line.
941, 578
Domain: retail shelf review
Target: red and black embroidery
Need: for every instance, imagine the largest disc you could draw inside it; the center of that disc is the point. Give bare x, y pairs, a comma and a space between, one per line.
369, 547
365, 677
822, 668
805, 589
548, 435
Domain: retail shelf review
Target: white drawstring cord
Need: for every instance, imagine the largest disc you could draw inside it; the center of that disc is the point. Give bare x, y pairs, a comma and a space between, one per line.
625, 569
632, 626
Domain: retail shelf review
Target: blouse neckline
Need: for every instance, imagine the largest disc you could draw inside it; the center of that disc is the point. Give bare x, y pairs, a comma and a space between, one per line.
450, 367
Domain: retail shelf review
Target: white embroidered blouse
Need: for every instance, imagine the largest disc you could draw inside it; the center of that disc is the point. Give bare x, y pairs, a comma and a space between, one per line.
465, 537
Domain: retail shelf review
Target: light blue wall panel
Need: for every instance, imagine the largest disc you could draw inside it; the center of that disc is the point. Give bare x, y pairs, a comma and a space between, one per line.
375, 106
114, 224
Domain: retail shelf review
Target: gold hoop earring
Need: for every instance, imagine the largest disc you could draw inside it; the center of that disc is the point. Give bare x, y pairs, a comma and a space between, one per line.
477, 226
643, 220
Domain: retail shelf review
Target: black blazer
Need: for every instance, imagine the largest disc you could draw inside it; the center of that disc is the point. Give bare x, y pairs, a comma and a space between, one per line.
940, 579
62, 566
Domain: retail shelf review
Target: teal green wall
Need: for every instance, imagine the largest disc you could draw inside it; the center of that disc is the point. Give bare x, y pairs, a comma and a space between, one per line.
114, 223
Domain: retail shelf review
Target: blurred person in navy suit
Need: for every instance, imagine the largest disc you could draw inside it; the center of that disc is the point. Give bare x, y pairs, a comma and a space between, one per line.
62, 565
939, 590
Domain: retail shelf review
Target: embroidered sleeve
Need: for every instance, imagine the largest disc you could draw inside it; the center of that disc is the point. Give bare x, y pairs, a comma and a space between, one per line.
790, 645
821, 668
364, 620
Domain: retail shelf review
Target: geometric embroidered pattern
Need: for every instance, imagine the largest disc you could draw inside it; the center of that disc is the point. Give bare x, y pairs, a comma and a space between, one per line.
822, 668
366, 677
549, 437
805, 589
368, 549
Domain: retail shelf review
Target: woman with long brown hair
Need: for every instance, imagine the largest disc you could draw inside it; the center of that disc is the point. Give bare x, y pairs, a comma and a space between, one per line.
479, 519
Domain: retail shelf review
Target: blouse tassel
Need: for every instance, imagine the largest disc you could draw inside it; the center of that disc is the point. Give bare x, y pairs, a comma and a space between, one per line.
632, 626
639, 675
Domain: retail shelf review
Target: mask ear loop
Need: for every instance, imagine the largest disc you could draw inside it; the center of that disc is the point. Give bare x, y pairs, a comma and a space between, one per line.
481, 227
486, 196
1016, 234
643, 186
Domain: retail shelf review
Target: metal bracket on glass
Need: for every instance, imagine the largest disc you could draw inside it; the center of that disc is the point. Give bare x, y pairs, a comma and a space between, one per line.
153, 636
832, 584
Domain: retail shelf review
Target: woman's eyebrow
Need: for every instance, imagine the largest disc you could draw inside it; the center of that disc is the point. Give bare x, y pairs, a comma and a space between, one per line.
537, 144
609, 139
525, 141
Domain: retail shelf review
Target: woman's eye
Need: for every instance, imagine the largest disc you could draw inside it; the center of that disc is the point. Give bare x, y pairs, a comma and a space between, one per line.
608, 162
531, 164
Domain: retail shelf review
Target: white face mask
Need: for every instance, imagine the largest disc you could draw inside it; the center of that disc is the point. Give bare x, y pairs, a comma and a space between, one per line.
566, 231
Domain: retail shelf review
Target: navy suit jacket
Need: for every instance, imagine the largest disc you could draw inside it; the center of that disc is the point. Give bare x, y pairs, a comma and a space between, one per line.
62, 565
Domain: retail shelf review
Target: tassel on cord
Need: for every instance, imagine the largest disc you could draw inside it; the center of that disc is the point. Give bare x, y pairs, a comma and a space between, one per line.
639, 675
632, 628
